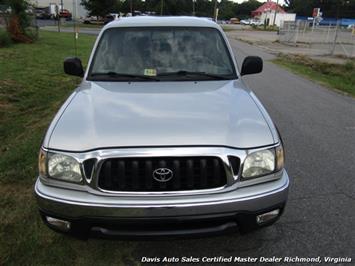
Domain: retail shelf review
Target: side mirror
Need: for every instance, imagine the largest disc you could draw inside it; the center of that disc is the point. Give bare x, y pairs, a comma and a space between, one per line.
73, 66
252, 65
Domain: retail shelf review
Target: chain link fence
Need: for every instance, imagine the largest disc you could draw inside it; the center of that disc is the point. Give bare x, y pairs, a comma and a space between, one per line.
328, 40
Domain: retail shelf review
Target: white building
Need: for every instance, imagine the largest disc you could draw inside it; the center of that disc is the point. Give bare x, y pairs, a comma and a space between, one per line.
267, 12
72, 5
269, 17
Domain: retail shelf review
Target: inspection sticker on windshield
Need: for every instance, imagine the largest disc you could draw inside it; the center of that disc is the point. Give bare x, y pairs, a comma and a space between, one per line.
150, 72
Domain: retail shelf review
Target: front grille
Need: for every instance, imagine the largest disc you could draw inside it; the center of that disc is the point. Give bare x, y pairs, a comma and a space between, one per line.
162, 174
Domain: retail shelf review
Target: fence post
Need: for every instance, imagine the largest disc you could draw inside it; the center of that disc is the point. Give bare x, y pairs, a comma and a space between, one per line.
328, 33
296, 29
352, 41
335, 39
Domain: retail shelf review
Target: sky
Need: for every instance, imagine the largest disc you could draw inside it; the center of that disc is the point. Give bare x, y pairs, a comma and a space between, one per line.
281, 2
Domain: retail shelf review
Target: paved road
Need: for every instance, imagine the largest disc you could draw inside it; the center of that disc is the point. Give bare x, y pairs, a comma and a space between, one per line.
45, 22
90, 31
318, 127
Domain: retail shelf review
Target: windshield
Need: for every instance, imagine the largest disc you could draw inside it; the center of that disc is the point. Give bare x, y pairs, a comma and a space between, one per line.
164, 54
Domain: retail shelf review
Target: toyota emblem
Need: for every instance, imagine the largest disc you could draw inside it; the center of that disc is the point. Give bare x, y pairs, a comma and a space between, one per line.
163, 174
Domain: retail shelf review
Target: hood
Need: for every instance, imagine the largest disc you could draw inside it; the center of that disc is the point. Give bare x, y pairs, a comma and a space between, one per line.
123, 114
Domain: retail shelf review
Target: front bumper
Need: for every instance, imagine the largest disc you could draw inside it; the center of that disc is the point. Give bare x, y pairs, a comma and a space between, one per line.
207, 213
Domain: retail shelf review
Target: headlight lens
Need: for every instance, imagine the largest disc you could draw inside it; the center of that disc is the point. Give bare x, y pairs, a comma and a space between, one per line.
64, 167
263, 162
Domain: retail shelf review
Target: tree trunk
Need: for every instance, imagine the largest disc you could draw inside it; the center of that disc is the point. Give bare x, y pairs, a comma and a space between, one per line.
16, 32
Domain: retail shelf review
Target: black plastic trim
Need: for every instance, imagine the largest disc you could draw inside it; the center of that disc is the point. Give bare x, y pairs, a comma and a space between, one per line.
175, 227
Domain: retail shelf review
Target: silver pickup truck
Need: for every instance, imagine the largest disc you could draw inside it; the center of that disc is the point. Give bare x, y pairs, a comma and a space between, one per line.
161, 138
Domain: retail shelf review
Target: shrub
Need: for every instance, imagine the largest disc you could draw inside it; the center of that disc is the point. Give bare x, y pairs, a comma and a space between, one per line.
350, 65
32, 33
5, 39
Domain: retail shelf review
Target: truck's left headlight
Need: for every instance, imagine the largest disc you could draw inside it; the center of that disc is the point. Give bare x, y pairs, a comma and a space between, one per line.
64, 167
263, 162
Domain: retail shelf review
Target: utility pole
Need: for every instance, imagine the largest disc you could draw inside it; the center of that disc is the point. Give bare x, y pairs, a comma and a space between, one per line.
215, 11
161, 7
277, 5
58, 17
193, 8
131, 6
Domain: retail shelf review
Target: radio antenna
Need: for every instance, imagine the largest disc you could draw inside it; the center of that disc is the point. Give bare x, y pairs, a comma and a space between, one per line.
75, 30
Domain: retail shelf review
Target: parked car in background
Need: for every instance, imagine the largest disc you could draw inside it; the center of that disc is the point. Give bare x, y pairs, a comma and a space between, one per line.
93, 20
256, 22
245, 22
42, 13
161, 138
252, 22
64, 13
234, 21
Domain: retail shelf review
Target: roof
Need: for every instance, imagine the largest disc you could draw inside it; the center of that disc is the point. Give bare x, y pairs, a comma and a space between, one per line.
268, 6
154, 21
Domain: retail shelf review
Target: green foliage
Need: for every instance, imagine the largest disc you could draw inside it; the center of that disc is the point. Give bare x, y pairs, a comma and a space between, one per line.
330, 8
18, 8
265, 28
100, 8
32, 33
203, 8
32, 88
5, 39
4, 3
244, 9
350, 66
337, 76
18, 22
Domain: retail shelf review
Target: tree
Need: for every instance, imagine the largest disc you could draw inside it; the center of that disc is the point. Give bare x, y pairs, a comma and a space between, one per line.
19, 21
203, 8
99, 7
244, 9
227, 9
329, 8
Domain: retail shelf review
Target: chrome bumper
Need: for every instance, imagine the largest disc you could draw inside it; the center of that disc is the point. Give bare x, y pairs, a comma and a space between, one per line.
78, 204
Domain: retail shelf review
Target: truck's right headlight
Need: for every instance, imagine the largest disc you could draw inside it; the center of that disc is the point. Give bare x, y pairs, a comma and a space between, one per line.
263, 162
64, 167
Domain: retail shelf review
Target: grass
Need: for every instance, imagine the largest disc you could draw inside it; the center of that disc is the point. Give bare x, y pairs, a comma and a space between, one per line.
336, 76
265, 28
32, 88
227, 28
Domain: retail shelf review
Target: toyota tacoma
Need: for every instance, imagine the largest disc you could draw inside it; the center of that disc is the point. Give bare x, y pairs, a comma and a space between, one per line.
161, 138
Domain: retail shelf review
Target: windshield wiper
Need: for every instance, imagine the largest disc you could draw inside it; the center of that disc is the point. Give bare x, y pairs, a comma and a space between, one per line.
115, 75
191, 73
